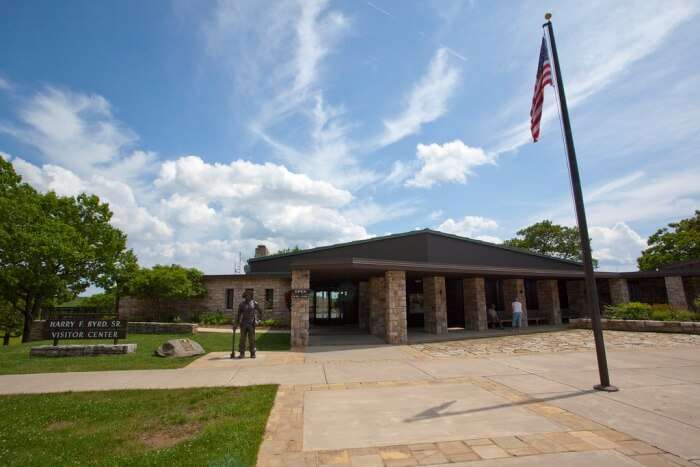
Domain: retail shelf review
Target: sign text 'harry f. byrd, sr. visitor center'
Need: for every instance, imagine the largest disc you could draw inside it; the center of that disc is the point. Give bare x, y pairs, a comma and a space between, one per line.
421, 282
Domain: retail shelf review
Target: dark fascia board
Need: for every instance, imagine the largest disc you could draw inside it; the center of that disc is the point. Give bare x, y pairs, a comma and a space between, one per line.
411, 233
250, 274
368, 264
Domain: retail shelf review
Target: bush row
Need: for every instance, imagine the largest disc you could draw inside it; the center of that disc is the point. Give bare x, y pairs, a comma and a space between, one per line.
645, 311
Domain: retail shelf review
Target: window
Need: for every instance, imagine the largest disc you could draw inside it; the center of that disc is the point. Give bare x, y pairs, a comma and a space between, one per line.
229, 299
269, 299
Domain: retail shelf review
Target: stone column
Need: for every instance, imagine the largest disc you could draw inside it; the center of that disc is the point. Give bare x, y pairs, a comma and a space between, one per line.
434, 305
395, 304
301, 279
363, 305
548, 298
377, 305
576, 291
474, 304
676, 292
515, 288
619, 291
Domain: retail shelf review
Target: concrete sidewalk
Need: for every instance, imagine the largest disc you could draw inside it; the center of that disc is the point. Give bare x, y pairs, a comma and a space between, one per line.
360, 401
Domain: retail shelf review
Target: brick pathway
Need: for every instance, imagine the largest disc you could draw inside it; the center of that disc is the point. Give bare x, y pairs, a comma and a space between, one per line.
283, 442
565, 341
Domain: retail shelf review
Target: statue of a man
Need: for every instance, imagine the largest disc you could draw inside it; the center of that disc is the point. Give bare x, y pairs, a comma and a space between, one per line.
248, 316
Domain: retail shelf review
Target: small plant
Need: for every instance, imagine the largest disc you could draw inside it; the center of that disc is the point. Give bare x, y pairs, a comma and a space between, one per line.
214, 318
631, 310
644, 311
177, 319
271, 323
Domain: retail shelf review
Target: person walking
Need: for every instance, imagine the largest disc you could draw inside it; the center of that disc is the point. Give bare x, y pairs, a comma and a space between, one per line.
247, 319
517, 314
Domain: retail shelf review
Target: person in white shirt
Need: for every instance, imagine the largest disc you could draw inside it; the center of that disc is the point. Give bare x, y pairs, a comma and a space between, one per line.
517, 313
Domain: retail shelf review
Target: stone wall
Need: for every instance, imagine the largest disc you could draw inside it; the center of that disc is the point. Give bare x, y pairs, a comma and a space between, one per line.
134, 309
301, 279
514, 288
676, 292
150, 327
474, 304
548, 299
81, 350
363, 305
377, 306
395, 286
434, 305
37, 330
683, 327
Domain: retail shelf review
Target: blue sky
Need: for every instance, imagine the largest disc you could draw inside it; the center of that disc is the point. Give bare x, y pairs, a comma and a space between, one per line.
211, 127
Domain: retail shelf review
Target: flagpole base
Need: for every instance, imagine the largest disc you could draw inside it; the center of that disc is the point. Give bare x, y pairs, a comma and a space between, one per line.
609, 388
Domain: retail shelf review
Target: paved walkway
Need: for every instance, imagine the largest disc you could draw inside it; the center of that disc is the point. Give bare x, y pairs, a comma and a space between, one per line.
441, 404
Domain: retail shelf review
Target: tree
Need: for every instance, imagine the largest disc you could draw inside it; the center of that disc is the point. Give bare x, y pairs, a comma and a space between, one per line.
550, 239
161, 283
51, 247
10, 321
294, 249
679, 241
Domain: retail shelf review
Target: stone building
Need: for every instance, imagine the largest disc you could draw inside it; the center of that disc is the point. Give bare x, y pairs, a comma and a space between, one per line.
425, 281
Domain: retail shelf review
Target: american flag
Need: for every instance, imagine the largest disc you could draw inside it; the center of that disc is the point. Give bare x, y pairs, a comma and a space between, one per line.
544, 77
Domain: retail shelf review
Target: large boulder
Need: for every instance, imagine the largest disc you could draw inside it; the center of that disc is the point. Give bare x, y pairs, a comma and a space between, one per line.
180, 348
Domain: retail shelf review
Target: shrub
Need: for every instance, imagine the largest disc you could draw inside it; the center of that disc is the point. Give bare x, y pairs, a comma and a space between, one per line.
214, 317
696, 303
271, 323
631, 310
643, 311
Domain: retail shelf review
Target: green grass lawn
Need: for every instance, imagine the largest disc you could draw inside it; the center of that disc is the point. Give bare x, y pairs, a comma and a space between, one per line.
14, 359
205, 426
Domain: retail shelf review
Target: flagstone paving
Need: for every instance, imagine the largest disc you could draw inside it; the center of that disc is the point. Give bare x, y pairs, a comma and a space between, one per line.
512, 401
572, 340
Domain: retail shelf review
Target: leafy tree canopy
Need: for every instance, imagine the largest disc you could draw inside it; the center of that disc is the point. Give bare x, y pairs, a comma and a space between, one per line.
53, 247
161, 283
550, 239
679, 241
294, 249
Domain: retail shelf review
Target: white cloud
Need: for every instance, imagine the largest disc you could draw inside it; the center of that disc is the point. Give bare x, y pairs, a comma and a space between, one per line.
635, 197
427, 101
616, 248
599, 52
5, 84
184, 209
130, 216
472, 227
76, 131
245, 182
446, 163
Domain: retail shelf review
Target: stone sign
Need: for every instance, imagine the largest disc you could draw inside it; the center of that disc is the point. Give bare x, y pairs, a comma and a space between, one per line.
84, 327
180, 348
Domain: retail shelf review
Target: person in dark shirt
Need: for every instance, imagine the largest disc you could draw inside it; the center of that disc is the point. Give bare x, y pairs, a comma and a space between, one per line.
247, 318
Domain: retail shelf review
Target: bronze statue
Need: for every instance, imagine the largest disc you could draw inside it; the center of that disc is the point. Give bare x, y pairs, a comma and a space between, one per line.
247, 318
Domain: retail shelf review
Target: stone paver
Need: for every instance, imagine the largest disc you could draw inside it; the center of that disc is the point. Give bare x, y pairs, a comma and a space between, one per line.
519, 400
565, 341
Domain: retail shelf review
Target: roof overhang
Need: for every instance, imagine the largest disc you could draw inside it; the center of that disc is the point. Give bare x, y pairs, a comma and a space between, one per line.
368, 266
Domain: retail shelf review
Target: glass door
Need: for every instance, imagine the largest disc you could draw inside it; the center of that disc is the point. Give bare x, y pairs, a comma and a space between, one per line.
328, 306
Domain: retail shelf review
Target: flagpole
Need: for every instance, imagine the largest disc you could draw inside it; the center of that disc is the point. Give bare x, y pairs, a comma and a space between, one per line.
591, 290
